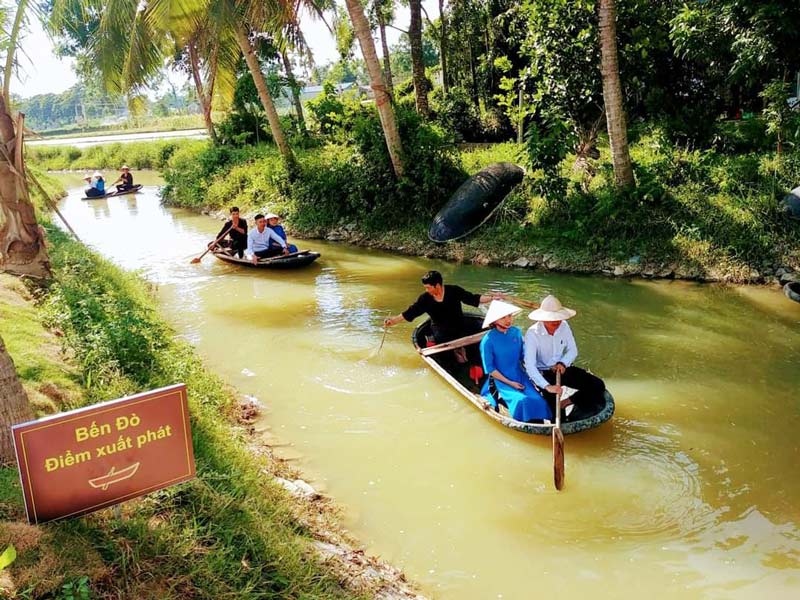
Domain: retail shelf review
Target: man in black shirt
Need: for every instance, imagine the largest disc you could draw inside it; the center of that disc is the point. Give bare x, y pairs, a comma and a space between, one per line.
237, 230
442, 303
126, 178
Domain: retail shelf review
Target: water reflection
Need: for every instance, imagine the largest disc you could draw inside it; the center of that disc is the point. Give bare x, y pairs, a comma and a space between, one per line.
689, 492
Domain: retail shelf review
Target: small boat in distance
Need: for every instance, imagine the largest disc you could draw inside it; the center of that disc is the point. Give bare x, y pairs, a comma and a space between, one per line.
458, 376
114, 476
295, 260
133, 190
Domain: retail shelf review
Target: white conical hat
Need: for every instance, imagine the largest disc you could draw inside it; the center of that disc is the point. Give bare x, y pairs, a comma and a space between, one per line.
97, 174
497, 310
551, 310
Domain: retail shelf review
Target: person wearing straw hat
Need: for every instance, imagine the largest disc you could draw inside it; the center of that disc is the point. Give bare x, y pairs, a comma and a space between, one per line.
550, 348
273, 222
126, 179
97, 185
502, 354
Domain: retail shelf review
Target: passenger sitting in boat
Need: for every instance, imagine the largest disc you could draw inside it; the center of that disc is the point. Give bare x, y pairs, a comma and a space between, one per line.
273, 222
125, 180
236, 228
97, 185
502, 353
549, 349
442, 303
258, 241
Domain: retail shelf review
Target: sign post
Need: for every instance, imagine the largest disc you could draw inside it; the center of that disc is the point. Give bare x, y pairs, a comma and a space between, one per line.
83, 460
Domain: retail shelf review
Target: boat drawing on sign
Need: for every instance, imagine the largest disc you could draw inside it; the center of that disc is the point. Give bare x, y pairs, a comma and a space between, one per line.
114, 476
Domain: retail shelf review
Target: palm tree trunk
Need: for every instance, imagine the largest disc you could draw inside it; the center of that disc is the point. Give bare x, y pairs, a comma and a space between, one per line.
205, 100
443, 45
14, 407
387, 62
382, 98
417, 62
22, 245
298, 106
612, 94
266, 99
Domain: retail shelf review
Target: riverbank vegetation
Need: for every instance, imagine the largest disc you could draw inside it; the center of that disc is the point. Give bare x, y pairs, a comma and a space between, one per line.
91, 335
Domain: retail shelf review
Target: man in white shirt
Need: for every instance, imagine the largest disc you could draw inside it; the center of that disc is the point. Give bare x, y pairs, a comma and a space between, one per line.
258, 241
549, 349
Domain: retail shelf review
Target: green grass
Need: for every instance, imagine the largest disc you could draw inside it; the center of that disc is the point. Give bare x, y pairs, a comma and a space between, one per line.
231, 533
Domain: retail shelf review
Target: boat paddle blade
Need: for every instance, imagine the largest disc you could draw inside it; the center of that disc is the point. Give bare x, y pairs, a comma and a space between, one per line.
558, 458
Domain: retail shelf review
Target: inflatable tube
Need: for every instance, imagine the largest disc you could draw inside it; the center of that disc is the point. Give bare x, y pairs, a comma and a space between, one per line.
792, 290
791, 204
474, 202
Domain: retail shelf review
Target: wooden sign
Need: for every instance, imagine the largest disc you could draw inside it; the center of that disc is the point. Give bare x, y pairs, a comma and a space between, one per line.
83, 460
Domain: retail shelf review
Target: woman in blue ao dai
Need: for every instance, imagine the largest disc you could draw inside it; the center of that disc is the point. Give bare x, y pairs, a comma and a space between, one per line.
502, 355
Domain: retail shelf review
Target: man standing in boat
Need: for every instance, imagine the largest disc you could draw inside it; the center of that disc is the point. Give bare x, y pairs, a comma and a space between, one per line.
442, 303
550, 348
258, 241
236, 228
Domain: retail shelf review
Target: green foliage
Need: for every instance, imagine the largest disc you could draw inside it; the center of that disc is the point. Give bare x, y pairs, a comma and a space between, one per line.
137, 155
76, 590
8, 556
547, 146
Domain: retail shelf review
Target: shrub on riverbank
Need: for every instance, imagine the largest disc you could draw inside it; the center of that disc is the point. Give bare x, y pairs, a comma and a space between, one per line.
230, 533
137, 155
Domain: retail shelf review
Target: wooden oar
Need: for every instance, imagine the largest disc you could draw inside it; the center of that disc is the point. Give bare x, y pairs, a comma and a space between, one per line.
271, 258
558, 442
519, 301
216, 241
452, 345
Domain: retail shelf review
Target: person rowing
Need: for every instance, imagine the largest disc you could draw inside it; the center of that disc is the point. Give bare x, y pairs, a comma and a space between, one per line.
125, 180
550, 348
258, 241
236, 230
442, 303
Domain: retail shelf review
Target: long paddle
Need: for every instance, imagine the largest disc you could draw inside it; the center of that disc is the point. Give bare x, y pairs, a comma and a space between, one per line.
520, 301
558, 442
452, 345
216, 241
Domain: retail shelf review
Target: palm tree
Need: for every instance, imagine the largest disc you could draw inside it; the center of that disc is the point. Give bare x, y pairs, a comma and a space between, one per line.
14, 406
22, 245
417, 61
382, 98
383, 14
612, 94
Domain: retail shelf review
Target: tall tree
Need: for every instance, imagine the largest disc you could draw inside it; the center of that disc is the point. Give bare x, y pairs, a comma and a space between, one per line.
417, 61
383, 14
14, 406
612, 94
443, 44
294, 89
382, 98
22, 244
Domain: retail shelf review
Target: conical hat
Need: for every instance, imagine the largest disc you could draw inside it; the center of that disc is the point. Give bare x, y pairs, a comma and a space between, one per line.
551, 310
497, 310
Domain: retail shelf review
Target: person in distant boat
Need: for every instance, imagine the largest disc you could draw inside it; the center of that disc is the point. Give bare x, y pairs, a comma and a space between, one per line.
236, 230
125, 180
442, 303
273, 222
97, 185
502, 354
550, 348
258, 241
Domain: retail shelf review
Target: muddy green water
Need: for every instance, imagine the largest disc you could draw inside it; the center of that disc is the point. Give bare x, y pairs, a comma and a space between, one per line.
691, 491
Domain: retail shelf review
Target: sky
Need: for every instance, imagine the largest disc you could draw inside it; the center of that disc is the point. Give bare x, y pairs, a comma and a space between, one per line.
43, 72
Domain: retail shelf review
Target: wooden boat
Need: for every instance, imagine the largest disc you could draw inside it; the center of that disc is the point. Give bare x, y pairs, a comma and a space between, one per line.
792, 290
474, 202
133, 190
458, 376
114, 476
294, 260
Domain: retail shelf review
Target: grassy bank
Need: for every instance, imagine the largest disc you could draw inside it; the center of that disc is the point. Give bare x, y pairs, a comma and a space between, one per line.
92, 335
711, 214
